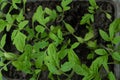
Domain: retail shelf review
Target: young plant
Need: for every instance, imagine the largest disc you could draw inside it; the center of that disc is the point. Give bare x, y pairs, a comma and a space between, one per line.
42, 46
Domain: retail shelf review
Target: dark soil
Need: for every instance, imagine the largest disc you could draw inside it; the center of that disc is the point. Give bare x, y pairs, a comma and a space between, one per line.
73, 17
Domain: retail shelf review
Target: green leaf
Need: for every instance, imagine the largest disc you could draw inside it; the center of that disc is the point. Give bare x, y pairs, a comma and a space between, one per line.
1, 76
75, 45
114, 27
14, 34
28, 49
81, 70
10, 21
1, 63
86, 19
108, 16
97, 63
23, 62
111, 31
39, 61
89, 36
37, 71
1, 54
116, 56
106, 65
66, 8
9, 18
90, 56
10, 56
3, 40
79, 39
92, 18
53, 36
93, 3
52, 50
59, 9
14, 3
3, 5
63, 53
20, 17
111, 76
92, 12
116, 40
18, 65
2, 25
39, 16
104, 35
22, 24
89, 76
56, 40
44, 34
69, 28
19, 40
55, 29
48, 11
33, 78
40, 45
92, 44
66, 67
2, 14
59, 34
43, 44
39, 29
73, 58
53, 54
65, 4
100, 51
31, 33
23, 65
52, 14
53, 69
97, 76
91, 8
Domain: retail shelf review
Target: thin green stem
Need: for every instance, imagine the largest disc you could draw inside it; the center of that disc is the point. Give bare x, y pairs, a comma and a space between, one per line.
38, 76
70, 76
5, 65
2, 50
64, 73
